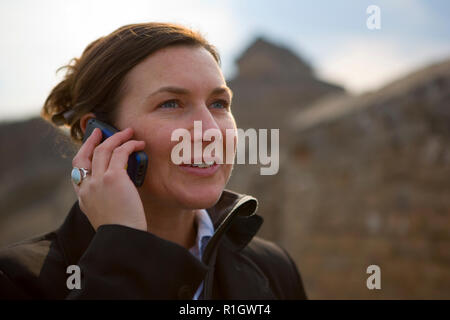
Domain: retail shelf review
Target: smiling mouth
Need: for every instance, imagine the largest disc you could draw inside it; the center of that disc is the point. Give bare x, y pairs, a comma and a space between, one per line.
199, 165
203, 169
202, 165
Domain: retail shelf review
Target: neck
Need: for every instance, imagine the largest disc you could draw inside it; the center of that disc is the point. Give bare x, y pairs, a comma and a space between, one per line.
170, 222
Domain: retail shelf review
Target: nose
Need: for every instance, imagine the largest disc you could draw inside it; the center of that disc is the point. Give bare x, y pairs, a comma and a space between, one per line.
207, 120
201, 121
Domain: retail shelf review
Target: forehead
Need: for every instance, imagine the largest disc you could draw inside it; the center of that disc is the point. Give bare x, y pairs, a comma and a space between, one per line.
176, 65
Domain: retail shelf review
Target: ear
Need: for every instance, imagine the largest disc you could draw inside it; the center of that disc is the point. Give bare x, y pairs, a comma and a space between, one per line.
84, 119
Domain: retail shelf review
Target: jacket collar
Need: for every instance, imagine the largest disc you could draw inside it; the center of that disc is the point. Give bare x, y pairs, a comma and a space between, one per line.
233, 215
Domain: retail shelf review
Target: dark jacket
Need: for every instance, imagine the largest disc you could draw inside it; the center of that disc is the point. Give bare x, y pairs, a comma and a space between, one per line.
119, 262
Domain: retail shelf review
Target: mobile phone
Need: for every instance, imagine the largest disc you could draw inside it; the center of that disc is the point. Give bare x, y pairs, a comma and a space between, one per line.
137, 162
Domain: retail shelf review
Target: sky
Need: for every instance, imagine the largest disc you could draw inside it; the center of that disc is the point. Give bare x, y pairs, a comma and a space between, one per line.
38, 37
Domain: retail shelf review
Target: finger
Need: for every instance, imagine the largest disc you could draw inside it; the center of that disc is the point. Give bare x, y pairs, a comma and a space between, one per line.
102, 153
83, 157
119, 158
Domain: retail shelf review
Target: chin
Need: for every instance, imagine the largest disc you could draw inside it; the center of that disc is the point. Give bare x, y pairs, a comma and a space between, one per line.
200, 197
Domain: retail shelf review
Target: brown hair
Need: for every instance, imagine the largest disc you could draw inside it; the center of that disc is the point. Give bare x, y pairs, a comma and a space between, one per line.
95, 81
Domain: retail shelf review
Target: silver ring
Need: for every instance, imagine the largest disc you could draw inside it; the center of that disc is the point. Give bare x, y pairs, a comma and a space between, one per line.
78, 174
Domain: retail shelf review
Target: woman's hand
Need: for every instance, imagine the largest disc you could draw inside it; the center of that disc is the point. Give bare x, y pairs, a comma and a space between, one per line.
107, 195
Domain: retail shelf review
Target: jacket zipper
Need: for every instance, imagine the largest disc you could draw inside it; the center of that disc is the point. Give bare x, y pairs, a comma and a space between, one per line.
211, 247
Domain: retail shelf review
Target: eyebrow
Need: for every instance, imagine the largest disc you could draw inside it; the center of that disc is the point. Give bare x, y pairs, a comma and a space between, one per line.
179, 90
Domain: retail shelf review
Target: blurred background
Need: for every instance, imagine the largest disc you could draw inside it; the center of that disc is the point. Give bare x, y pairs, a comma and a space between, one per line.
364, 119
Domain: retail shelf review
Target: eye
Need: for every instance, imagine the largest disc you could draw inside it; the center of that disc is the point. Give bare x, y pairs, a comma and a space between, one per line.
220, 104
170, 104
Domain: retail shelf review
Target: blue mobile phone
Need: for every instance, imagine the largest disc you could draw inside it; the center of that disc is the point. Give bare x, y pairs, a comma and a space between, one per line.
137, 162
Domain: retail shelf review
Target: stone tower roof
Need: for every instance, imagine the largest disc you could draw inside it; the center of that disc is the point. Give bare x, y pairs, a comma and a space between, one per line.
262, 58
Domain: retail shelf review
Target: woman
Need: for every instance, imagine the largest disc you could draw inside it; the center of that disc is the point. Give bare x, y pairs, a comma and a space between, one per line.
180, 235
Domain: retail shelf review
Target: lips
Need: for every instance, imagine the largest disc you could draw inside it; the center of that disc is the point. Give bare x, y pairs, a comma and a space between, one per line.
201, 165
202, 169
202, 162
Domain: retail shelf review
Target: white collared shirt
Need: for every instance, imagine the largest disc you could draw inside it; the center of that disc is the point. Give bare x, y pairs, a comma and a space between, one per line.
205, 230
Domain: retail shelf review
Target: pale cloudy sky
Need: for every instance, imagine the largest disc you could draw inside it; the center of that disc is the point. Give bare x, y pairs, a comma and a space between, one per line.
40, 36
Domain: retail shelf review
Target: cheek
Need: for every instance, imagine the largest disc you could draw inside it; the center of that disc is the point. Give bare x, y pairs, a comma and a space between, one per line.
158, 143
229, 132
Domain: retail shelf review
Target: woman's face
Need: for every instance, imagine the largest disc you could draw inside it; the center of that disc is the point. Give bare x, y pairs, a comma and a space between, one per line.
198, 93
